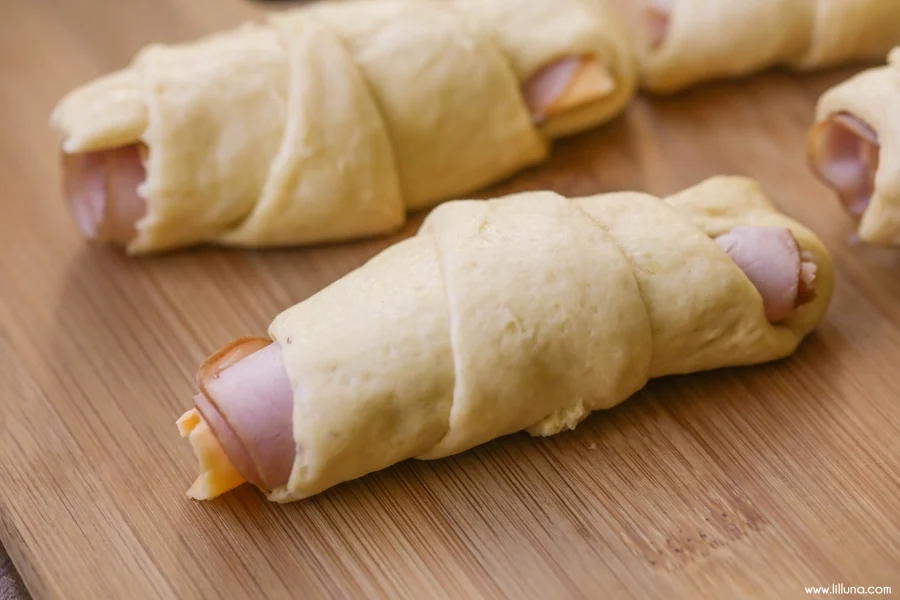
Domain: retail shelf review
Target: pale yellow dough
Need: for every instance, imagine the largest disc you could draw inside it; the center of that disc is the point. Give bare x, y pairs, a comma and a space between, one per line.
873, 96
330, 122
713, 39
524, 313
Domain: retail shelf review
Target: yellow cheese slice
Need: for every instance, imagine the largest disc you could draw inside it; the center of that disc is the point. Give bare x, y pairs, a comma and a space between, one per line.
217, 474
591, 82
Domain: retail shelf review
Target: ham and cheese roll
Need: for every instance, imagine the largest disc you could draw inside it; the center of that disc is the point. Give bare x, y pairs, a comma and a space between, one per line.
854, 148
329, 122
684, 42
527, 312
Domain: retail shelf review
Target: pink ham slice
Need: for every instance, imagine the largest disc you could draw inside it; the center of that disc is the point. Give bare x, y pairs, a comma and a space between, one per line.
101, 188
772, 261
843, 153
657, 15
247, 400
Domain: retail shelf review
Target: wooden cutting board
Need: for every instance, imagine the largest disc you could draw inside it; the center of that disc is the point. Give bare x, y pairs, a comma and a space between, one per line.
749, 482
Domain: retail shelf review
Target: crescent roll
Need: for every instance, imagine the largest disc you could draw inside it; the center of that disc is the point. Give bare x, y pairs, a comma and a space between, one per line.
854, 148
526, 312
684, 42
329, 122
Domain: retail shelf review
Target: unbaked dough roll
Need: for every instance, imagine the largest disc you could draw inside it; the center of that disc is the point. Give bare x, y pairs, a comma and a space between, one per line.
522, 313
329, 122
845, 31
684, 42
854, 148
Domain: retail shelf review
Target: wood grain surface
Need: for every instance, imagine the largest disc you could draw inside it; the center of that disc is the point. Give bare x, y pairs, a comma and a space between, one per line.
745, 483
